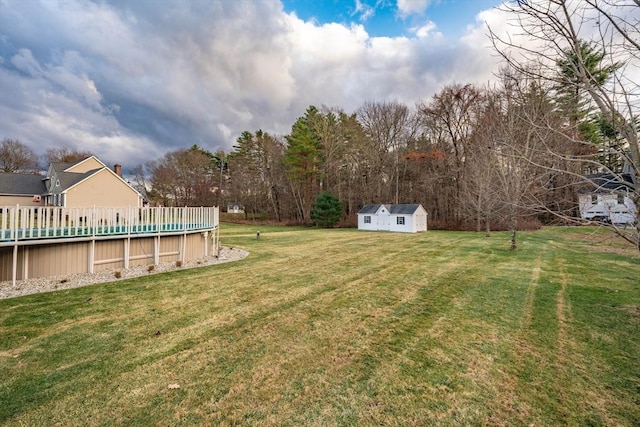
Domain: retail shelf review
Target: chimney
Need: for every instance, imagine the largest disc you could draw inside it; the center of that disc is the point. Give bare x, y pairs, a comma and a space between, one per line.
118, 170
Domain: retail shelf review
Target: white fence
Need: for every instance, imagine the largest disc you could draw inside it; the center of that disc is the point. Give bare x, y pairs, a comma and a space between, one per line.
18, 224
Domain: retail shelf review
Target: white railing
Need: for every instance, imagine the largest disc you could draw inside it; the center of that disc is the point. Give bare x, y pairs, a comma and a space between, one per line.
30, 223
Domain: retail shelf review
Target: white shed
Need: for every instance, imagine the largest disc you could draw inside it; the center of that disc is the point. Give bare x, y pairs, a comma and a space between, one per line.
406, 218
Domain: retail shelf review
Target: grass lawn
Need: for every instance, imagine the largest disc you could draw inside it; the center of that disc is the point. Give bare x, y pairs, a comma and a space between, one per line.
340, 327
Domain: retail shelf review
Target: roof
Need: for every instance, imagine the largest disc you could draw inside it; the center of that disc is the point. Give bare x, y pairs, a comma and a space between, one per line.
608, 182
21, 184
403, 209
61, 166
369, 209
399, 209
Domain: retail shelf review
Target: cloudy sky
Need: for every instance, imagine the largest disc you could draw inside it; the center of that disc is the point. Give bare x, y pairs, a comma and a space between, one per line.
132, 80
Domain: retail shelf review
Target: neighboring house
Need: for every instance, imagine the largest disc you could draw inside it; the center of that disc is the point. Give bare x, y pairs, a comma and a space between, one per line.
235, 208
407, 218
86, 183
608, 198
21, 189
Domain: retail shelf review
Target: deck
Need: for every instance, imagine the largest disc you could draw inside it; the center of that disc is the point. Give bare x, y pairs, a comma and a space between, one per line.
46, 241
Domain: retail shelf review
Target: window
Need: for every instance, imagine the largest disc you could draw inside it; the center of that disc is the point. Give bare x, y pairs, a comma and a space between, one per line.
367, 219
400, 220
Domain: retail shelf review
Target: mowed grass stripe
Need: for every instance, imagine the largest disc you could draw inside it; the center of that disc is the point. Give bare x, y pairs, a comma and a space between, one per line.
327, 327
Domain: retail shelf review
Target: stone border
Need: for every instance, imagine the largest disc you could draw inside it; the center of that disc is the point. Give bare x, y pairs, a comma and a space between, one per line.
56, 283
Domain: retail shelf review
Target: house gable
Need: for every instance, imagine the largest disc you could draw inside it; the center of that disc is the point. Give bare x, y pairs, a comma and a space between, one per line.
85, 165
101, 188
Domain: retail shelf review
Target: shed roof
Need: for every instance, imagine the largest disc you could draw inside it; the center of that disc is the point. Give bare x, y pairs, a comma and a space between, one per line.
408, 209
21, 184
397, 209
369, 209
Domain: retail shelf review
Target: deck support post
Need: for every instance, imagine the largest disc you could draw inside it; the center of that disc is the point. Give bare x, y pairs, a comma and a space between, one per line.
183, 246
127, 249
15, 264
91, 257
156, 250
25, 263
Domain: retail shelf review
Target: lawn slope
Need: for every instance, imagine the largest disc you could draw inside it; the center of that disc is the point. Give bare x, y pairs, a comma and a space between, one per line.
339, 327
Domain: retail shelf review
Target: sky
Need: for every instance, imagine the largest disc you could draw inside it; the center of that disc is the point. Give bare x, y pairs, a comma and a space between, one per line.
133, 80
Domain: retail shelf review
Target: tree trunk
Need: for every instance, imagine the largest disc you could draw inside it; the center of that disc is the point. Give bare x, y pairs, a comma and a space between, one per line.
514, 226
487, 224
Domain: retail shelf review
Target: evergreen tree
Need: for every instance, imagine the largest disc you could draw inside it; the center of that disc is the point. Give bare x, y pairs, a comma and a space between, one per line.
302, 160
327, 210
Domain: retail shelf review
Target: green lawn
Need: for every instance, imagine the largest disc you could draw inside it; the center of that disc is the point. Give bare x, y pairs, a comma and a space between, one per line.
340, 327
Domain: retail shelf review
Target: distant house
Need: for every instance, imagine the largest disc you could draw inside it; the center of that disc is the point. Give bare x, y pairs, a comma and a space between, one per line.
406, 218
608, 198
88, 182
235, 208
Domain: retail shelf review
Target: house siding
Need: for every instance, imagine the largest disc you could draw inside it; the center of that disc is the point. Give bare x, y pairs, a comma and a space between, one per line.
89, 164
607, 207
20, 200
102, 189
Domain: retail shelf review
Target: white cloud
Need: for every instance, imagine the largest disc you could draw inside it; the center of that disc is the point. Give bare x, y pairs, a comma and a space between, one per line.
132, 80
410, 7
427, 30
364, 10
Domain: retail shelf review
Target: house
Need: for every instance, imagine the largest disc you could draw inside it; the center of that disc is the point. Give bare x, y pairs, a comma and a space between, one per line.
87, 182
21, 189
407, 218
235, 208
608, 198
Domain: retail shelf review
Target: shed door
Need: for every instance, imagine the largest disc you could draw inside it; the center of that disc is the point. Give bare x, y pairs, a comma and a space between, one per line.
384, 222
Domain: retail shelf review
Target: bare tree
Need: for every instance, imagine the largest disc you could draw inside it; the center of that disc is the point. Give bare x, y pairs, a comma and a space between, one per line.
451, 118
389, 126
183, 178
141, 179
519, 147
549, 32
17, 157
66, 155
481, 178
